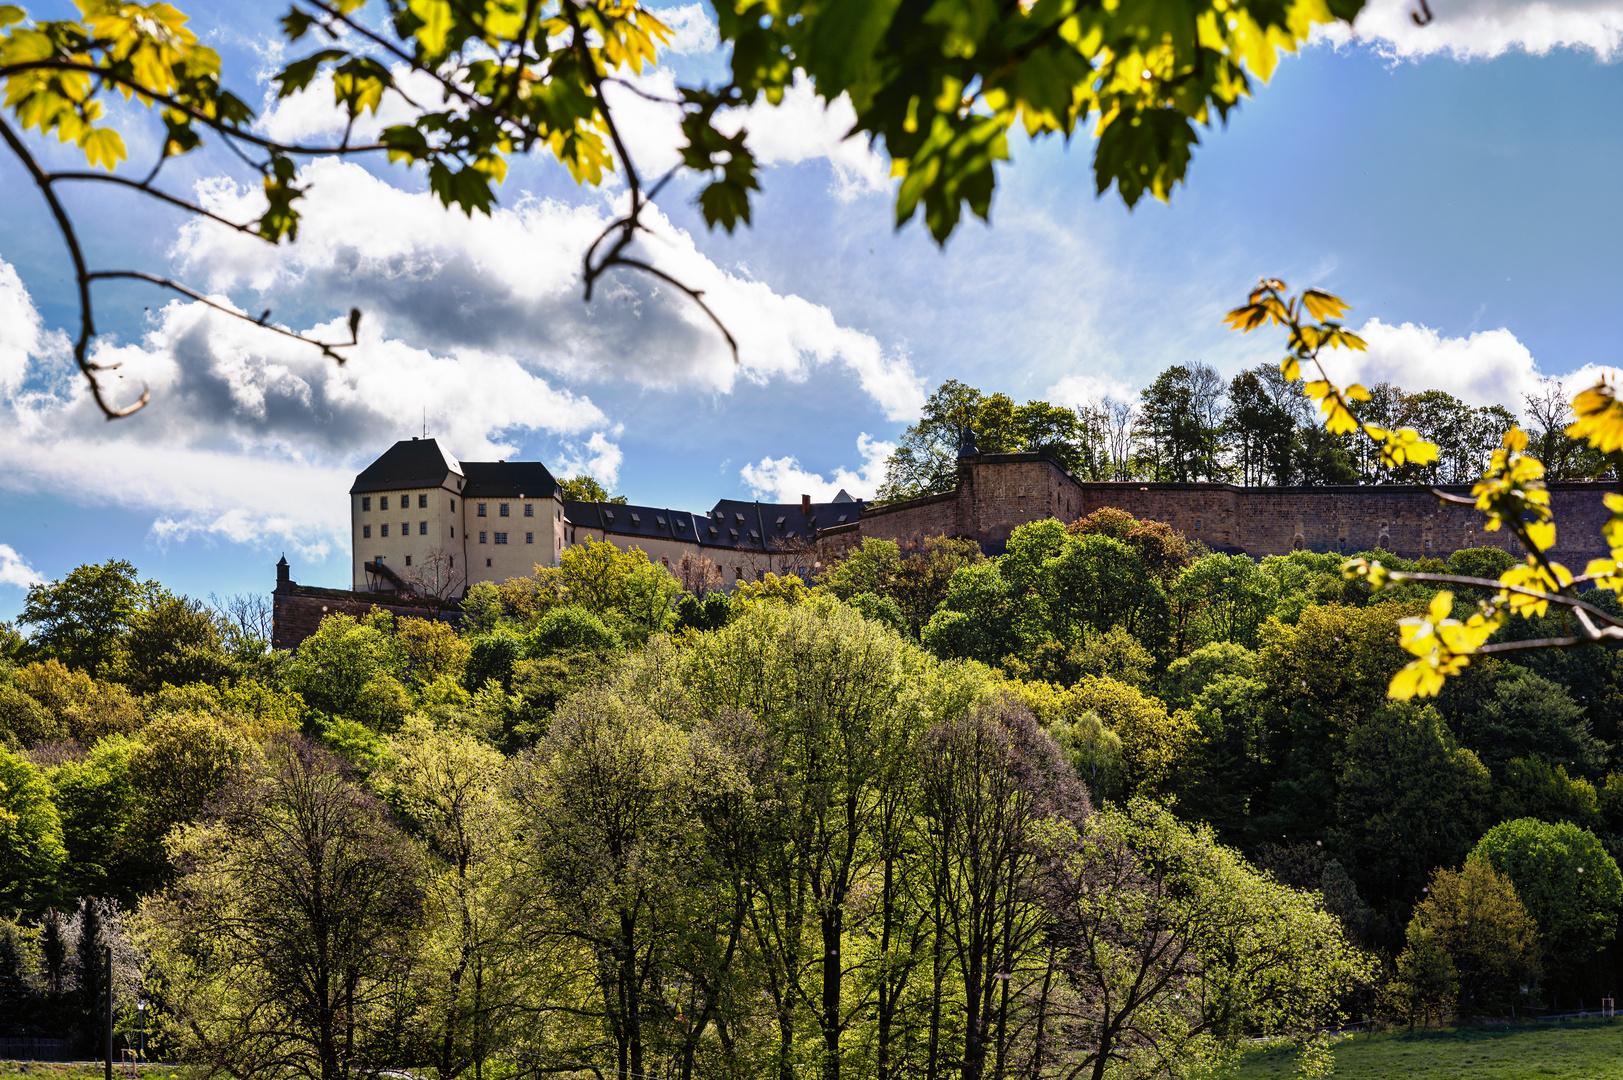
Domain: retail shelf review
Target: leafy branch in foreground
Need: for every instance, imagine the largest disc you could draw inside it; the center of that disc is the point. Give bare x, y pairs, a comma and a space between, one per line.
940, 85
1511, 493
57, 74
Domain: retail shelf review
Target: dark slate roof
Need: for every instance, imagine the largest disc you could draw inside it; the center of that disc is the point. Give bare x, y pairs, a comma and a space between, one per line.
735, 523
409, 463
653, 521
508, 480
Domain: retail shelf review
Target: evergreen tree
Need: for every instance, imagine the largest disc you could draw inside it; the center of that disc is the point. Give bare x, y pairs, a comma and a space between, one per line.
92, 982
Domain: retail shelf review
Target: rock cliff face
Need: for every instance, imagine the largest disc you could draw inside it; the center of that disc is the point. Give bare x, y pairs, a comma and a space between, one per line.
998, 492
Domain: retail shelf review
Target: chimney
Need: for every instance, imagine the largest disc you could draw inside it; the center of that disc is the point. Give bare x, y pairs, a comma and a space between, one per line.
805, 504
284, 583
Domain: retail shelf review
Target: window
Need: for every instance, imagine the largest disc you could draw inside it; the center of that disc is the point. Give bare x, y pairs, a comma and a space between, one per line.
405, 528
408, 560
481, 538
366, 502
453, 504
366, 532
422, 502
501, 538
504, 510
481, 511
529, 538
453, 532
529, 510
383, 530
487, 562
738, 573
405, 501
383, 502
422, 528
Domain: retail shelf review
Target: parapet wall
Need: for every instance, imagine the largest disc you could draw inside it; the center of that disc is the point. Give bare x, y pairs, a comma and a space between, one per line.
297, 612
996, 493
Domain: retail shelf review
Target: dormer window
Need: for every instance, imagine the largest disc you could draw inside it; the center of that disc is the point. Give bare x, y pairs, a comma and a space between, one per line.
636, 519
660, 522
740, 518
609, 514
781, 521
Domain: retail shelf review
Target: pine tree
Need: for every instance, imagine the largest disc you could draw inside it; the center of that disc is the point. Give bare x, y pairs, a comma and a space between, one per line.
92, 986
16, 997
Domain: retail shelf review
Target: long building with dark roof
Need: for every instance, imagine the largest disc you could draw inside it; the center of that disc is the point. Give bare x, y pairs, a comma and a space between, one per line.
427, 524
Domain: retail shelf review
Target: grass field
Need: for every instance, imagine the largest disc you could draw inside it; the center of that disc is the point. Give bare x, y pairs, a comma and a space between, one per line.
78, 1070
1574, 1050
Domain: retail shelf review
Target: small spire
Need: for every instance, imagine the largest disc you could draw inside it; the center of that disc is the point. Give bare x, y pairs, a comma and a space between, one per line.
966, 445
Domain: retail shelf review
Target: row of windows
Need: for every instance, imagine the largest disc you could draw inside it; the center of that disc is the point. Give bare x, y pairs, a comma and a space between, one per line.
501, 510
379, 558
501, 538
405, 529
405, 502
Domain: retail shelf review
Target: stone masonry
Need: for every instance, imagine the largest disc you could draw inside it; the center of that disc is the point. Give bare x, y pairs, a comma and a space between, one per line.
998, 492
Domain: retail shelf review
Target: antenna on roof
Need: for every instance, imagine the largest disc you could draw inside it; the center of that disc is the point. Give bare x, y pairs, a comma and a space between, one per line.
425, 421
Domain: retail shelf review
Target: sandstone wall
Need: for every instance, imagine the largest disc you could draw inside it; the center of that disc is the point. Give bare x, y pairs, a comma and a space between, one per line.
996, 493
298, 613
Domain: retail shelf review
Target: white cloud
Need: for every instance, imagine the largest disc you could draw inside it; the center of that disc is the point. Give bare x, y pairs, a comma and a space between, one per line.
1074, 390
1487, 28
252, 437
599, 458
783, 479
802, 127
14, 569
510, 283
1490, 367
692, 29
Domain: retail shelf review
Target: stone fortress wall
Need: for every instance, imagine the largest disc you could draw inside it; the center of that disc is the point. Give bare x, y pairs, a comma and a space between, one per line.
998, 492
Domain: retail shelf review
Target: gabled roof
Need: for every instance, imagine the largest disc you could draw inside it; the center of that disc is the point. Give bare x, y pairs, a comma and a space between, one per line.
618, 519
409, 463
508, 480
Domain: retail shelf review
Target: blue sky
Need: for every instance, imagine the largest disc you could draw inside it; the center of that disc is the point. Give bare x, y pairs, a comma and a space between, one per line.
1457, 185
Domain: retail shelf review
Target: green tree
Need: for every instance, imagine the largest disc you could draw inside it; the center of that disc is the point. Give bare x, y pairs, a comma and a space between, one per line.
31, 849
351, 668
1566, 880
1476, 917
632, 594
1181, 422
1264, 414
1175, 949
585, 488
569, 630
1409, 798
305, 899
171, 639
1228, 597
446, 784
839, 697
182, 760
82, 618
1530, 716
96, 801
925, 460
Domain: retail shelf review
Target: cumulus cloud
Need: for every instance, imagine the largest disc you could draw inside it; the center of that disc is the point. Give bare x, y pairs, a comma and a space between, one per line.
692, 29
252, 437
1487, 28
784, 480
1489, 367
802, 127
14, 569
598, 458
510, 283
1075, 390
